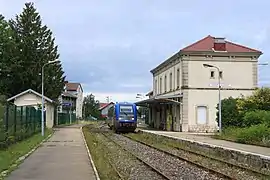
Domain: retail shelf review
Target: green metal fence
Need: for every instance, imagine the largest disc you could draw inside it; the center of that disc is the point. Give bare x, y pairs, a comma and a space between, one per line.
18, 123
66, 118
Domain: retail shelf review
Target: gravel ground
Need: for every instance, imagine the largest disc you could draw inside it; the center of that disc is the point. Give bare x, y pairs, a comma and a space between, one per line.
169, 165
233, 171
126, 164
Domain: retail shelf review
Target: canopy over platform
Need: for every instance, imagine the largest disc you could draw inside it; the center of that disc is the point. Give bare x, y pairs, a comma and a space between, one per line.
160, 100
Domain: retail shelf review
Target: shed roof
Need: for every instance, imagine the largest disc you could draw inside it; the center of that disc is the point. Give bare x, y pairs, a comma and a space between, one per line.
30, 91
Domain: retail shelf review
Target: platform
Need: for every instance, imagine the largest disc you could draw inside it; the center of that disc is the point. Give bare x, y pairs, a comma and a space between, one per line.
205, 138
63, 156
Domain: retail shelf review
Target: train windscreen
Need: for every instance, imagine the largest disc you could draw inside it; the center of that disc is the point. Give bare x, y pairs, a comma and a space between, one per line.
126, 112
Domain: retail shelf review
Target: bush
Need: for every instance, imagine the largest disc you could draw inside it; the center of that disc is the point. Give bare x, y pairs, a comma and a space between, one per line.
256, 117
231, 117
256, 134
2, 110
259, 100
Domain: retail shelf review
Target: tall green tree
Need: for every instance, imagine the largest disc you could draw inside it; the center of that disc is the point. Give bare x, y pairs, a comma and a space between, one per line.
91, 106
8, 57
35, 46
229, 113
259, 100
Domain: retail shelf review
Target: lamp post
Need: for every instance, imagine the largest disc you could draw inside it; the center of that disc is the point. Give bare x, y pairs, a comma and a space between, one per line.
140, 96
219, 96
263, 64
42, 89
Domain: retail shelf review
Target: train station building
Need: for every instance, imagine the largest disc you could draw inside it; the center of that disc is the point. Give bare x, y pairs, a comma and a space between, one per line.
186, 85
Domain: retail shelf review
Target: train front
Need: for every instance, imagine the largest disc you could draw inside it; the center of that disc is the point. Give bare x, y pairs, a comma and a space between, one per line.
127, 119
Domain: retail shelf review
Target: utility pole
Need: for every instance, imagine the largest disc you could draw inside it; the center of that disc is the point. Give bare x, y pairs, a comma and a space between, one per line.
219, 96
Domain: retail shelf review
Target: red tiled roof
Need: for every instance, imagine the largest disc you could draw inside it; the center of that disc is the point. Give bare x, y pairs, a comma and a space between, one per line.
104, 105
207, 43
72, 86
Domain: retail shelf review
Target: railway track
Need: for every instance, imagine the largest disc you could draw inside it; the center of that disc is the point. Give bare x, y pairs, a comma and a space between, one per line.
218, 172
138, 158
184, 159
121, 177
258, 174
163, 174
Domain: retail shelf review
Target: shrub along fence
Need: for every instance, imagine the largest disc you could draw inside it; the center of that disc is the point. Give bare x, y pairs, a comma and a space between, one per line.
66, 118
18, 123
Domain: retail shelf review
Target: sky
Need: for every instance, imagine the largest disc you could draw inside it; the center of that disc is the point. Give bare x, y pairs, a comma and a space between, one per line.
110, 46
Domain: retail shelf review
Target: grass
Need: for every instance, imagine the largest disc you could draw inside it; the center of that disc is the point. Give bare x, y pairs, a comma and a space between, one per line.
10, 155
99, 154
255, 135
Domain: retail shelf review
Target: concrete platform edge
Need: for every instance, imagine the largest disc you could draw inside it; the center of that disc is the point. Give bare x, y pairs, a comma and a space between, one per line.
20, 160
90, 157
248, 159
214, 146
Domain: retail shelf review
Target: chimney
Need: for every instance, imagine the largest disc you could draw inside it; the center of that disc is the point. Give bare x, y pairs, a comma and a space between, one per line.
219, 44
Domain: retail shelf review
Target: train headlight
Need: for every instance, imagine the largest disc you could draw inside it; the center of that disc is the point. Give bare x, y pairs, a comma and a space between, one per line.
120, 118
132, 118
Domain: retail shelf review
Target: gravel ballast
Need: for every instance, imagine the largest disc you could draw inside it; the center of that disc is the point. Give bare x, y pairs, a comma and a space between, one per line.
173, 167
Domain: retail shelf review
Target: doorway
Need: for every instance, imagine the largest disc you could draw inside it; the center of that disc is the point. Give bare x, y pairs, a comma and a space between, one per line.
201, 114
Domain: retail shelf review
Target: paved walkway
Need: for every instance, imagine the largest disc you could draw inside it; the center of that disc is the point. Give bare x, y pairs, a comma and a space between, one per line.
63, 156
225, 144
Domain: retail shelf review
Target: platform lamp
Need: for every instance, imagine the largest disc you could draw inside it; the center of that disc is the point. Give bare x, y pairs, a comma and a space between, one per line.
42, 89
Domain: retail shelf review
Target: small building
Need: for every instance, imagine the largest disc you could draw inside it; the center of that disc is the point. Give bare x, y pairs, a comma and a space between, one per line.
185, 86
67, 103
71, 92
104, 108
33, 98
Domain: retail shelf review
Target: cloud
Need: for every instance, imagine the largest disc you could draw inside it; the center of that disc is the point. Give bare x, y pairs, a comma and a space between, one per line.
114, 97
110, 46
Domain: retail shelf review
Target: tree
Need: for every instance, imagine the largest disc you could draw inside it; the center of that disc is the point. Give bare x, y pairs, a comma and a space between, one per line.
246, 111
259, 100
7, 56
229, 113
110, 112
34, 47
91, 106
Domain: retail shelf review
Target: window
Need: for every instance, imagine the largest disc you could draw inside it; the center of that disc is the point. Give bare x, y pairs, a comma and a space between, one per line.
220, 74
165, 83
126, 109
160, 85
171, 81
178, 78
212, 74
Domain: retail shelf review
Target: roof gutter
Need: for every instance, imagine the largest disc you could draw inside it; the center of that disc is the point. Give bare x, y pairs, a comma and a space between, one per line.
165, 62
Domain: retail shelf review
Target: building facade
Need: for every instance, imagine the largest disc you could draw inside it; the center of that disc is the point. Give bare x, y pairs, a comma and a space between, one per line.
74, 92
185, 87
68, 103
34, 99
104, 108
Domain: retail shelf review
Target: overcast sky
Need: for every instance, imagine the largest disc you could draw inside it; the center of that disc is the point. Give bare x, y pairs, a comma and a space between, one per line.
111, 45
